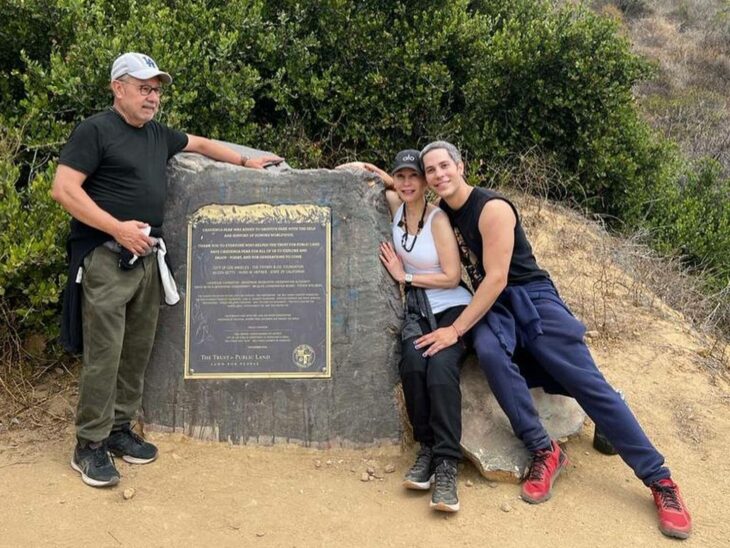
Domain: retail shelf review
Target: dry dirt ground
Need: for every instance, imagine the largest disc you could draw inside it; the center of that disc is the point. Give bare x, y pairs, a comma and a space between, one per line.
203, 494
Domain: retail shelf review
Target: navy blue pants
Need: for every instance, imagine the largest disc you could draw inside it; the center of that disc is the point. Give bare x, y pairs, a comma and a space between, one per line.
432, 391
530, 325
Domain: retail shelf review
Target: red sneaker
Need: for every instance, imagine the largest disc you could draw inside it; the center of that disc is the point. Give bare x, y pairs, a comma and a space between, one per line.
674, 519
544, 470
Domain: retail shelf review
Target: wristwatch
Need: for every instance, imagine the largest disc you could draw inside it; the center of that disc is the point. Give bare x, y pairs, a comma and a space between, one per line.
408, 279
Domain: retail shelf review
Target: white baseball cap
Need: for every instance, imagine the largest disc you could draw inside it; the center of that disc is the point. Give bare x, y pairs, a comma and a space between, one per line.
139, 66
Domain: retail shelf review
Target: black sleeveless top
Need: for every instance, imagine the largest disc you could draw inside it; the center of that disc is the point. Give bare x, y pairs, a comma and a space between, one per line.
465, 220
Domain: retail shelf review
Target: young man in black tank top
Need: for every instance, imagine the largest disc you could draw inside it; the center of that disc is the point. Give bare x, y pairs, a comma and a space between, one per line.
516, 313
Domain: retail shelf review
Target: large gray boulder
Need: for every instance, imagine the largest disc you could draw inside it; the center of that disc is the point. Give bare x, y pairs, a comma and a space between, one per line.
487, 438
356, 406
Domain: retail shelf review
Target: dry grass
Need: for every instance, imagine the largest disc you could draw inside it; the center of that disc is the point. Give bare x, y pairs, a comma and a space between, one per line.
624, 8
690, 42
32, 385
604, 275
617, 285
688, 422
580, 257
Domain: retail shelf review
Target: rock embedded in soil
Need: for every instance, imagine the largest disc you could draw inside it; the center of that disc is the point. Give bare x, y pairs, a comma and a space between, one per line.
356, 407
487, 438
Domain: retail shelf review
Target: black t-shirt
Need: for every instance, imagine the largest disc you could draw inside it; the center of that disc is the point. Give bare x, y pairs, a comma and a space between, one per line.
126, 176
125, 165
465, 220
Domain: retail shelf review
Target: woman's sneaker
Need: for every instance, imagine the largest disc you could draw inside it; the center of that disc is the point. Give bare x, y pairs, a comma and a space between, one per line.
444, 497
420, 476
93, 462
122, 442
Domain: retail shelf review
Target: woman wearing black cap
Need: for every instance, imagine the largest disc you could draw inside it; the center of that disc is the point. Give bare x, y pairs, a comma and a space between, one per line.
424, 256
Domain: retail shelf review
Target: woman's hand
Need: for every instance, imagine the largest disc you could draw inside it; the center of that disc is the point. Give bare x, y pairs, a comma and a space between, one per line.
392, 262
353, 165
371, 168
365, 166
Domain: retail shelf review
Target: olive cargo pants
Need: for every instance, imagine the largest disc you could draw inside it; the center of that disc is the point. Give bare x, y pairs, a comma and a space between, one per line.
119, 317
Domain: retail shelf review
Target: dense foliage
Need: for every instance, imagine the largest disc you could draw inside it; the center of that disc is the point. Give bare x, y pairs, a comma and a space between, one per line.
328, 81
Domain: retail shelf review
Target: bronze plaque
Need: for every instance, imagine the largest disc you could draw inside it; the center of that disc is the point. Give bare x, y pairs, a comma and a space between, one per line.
258, 292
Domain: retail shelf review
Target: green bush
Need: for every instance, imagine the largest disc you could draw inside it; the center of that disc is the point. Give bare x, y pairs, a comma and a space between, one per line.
694, 218
32, 252
340, 79
561, 83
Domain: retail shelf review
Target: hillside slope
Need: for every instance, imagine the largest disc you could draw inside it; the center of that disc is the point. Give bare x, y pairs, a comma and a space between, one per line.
687, 99
201, 494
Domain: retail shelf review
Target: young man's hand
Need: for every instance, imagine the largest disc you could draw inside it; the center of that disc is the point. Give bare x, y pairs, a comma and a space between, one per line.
437, 340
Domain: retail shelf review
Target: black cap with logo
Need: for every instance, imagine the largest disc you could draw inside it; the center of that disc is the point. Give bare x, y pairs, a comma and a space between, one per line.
407, 158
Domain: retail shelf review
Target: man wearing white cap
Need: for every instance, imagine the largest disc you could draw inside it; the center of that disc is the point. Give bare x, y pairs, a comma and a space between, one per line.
111, 178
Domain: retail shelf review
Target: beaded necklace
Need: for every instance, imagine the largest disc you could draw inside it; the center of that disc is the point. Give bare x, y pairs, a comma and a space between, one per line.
404, 224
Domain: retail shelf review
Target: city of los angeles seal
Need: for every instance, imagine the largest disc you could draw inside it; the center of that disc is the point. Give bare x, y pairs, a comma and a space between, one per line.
303, 356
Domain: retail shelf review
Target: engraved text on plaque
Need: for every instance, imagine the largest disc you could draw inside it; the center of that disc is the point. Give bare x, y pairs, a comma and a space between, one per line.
257, 302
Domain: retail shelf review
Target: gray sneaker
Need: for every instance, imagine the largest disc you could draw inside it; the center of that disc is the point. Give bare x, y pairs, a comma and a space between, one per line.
93, 462
420, 476
444, 497
122, 442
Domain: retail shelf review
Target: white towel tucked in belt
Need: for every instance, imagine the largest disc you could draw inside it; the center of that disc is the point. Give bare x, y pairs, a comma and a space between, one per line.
168, 282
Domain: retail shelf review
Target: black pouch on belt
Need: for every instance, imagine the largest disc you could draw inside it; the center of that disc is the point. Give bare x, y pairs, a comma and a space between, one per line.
127, 259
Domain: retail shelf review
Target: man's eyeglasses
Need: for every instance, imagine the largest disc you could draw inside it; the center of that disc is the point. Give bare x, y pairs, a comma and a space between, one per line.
144, 89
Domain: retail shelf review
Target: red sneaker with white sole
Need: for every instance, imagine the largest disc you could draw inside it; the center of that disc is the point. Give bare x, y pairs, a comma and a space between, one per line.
674, 519
544, 470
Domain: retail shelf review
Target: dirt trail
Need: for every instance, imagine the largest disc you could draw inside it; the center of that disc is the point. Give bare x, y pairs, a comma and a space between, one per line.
200, 494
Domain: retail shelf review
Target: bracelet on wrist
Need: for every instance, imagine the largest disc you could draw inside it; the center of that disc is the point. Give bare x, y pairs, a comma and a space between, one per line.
244, 159
458, 333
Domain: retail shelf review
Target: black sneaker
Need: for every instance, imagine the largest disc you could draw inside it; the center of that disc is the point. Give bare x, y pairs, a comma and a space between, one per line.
444, 497
96, 467
420, 476
122, 442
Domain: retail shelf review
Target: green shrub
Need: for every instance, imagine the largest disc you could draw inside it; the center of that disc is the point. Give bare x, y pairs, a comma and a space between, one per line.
562, 83
340, 79
32, 252
694, 218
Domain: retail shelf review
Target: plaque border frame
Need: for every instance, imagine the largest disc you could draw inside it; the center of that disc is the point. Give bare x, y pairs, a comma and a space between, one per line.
327, 373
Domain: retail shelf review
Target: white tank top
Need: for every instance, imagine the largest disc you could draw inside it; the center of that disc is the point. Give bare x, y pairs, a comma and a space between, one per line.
424, 259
